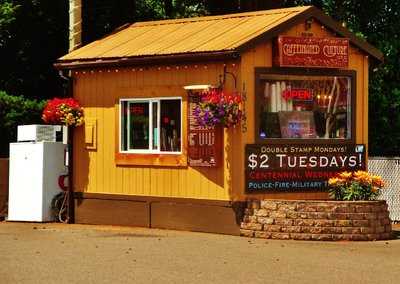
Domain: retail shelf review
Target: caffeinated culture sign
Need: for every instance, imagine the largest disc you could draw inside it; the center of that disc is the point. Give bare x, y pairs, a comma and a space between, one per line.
299, 167
204, 142
312, 52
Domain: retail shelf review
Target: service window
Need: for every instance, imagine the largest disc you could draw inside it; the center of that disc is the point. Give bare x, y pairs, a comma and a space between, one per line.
304, 107
151, 125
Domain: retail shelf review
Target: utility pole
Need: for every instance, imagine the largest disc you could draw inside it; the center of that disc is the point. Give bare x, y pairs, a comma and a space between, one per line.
75, 24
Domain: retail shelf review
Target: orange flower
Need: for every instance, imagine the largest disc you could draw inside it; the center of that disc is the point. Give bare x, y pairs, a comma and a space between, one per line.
334, 181
377, 181
363, 177
345, 175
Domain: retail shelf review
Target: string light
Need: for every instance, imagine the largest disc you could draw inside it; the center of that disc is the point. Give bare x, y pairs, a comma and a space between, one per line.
159, 68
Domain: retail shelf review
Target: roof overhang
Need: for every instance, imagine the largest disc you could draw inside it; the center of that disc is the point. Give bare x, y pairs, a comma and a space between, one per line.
148, 60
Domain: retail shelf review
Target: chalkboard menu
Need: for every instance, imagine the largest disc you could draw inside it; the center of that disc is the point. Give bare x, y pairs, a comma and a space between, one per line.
299, 167
204, 142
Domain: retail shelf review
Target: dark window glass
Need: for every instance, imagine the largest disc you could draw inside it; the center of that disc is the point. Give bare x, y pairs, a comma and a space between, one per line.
170, 125
153, 125
305, 107
139, 125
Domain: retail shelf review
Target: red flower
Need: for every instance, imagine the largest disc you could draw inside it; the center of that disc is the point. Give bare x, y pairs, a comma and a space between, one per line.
63, 111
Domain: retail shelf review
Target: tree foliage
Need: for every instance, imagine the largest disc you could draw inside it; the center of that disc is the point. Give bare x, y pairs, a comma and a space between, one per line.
14, 111
33, 33
7, 17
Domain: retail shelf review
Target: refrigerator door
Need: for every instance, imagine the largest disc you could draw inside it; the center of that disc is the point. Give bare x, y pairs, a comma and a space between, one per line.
26, 182
34, 172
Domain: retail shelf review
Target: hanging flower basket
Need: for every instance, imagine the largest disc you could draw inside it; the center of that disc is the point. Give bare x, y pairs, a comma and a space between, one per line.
63, 111
219, 108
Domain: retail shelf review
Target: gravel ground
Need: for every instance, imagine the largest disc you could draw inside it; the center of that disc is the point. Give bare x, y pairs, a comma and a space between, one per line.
58, 253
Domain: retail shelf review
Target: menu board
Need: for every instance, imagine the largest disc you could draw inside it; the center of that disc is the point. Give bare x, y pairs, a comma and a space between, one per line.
204, 142
299, 167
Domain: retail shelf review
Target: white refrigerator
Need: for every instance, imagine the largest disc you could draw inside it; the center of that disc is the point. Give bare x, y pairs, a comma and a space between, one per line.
34, 171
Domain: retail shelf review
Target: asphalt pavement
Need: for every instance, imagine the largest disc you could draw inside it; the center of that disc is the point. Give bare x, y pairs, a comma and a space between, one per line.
59, 253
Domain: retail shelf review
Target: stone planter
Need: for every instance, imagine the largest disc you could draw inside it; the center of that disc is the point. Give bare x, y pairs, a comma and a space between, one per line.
317, 220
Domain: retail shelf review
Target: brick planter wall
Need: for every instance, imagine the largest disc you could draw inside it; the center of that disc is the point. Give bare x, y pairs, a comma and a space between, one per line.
317, 220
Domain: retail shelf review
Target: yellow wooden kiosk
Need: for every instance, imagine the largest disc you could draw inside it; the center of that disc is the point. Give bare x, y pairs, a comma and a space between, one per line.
303, 80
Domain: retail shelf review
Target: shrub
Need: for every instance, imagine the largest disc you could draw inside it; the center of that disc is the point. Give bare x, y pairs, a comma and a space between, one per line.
14, 111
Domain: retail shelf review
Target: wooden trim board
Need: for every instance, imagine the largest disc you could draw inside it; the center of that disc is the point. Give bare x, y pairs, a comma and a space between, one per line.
212, 216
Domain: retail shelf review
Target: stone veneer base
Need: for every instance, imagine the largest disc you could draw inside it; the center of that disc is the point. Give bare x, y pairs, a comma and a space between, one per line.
317, 220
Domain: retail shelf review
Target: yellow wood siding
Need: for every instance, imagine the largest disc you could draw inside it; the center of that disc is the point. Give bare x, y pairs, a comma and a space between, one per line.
99, 92
261, 56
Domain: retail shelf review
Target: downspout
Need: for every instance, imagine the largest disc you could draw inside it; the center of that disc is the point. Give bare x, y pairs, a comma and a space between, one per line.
75, 41
70, 132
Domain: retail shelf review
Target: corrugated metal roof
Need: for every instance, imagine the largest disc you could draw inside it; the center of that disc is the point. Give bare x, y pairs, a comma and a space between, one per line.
209, 37
191, 35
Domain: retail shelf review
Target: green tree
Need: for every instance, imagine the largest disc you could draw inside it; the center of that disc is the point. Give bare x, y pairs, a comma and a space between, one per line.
14, 111
7, 18
33, 34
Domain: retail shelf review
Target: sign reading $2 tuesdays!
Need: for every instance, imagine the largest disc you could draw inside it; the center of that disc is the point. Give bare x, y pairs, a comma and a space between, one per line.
298, 167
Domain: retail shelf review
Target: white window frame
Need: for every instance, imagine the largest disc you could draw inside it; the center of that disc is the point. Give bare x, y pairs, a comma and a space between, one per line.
150, 101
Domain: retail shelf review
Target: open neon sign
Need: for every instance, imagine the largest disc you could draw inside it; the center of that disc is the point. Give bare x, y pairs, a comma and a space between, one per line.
297, 94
